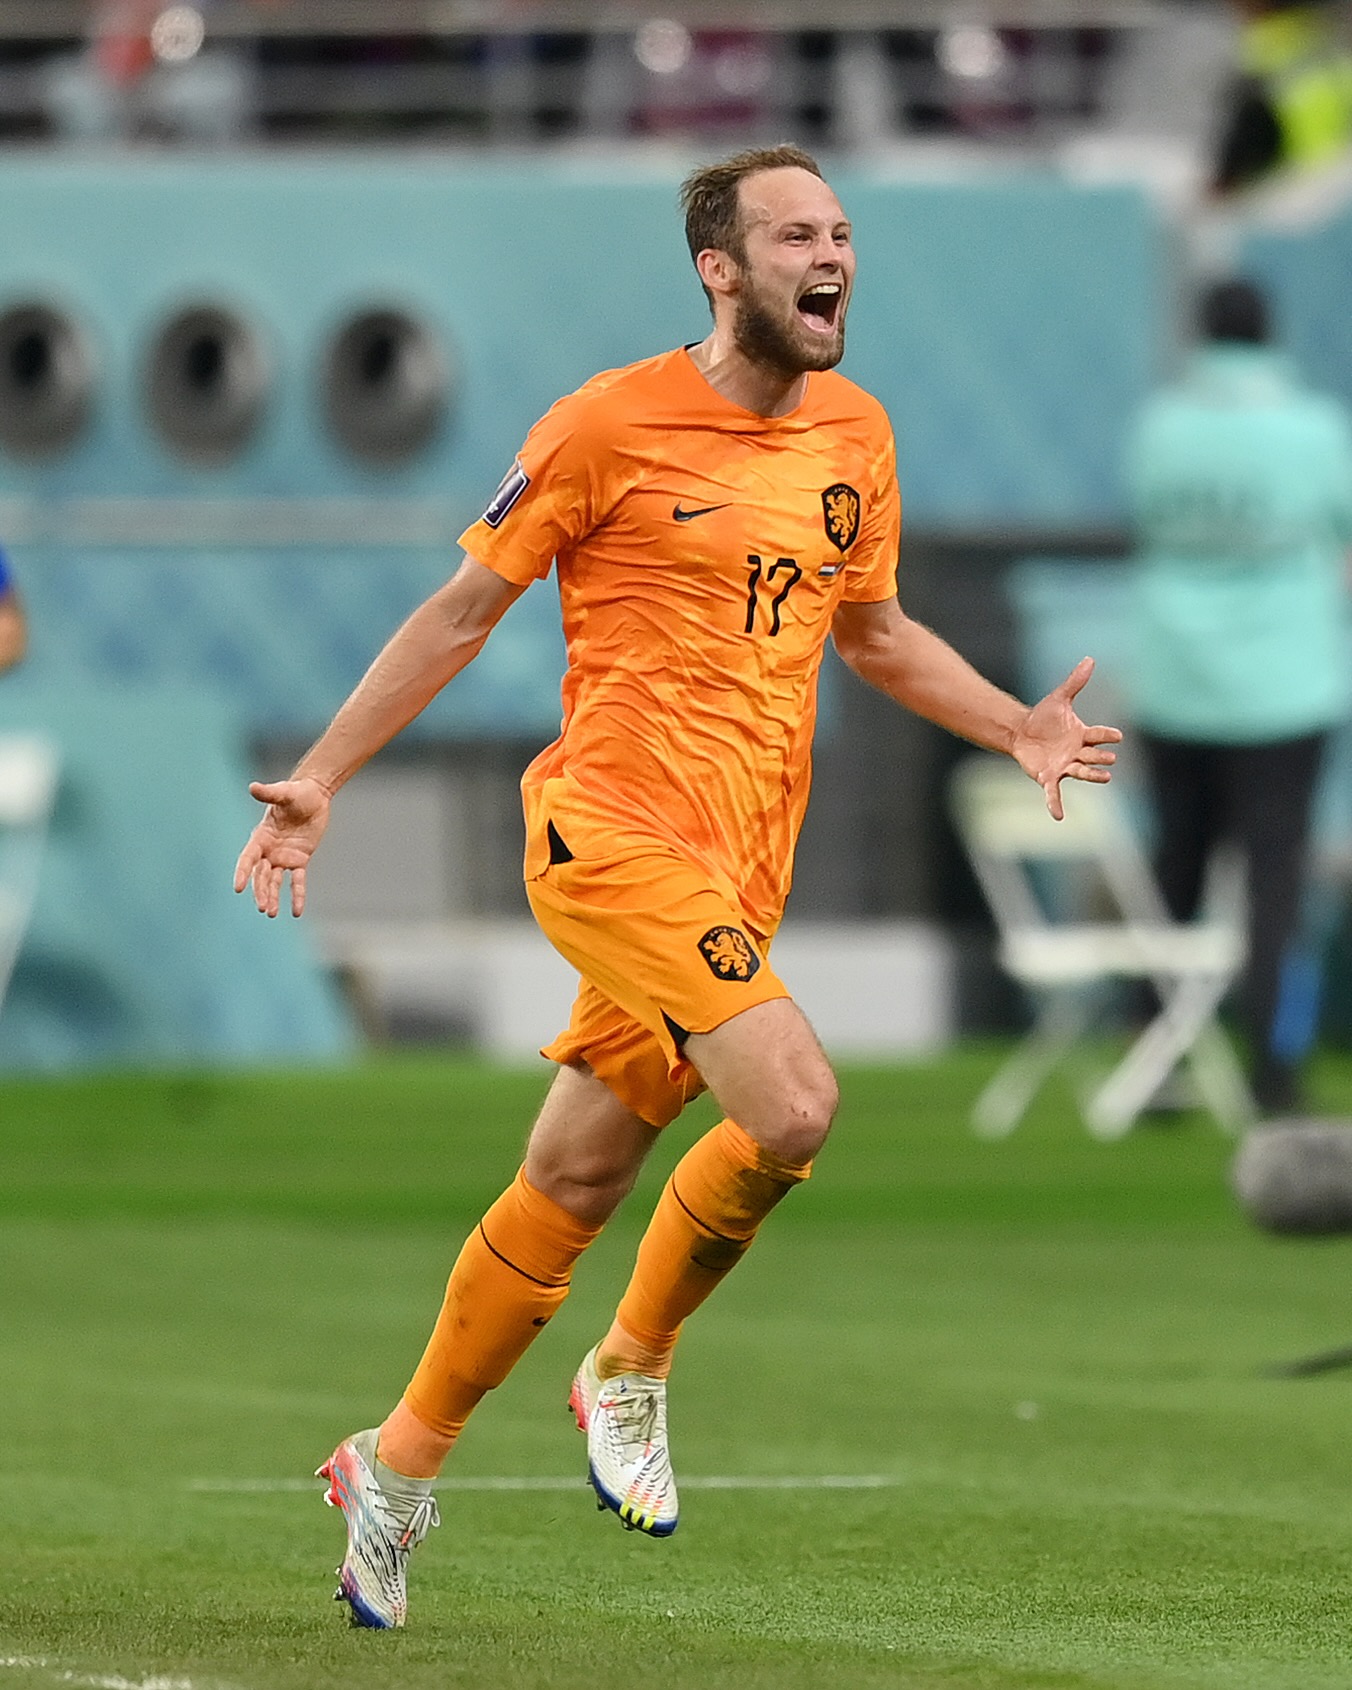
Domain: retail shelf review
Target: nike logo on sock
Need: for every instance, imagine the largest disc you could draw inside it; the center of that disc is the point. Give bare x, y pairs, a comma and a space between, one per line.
689, 516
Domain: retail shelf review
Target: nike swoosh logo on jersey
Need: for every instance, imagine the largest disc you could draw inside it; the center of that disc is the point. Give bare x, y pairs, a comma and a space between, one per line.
689, 516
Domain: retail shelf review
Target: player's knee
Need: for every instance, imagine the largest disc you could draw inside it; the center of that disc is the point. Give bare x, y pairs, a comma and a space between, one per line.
589, 1188
805, 1119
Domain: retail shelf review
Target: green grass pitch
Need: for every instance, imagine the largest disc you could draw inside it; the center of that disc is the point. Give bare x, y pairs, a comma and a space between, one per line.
1049, 1352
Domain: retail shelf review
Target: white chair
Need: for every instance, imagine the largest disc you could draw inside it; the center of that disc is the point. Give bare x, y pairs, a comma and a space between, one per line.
29, 767
1026, 864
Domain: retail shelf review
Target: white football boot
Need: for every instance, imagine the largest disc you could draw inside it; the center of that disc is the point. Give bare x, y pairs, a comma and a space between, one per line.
625, 1419
383, 1528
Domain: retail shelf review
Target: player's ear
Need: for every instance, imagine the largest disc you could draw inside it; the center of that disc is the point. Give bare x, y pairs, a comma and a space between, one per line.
719, 271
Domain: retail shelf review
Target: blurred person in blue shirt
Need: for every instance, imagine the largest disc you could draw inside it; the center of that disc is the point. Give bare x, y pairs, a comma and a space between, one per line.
1240, 482
13, 624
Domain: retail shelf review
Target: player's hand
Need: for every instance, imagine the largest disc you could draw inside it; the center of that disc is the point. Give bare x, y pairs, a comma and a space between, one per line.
283, 842
1055, 745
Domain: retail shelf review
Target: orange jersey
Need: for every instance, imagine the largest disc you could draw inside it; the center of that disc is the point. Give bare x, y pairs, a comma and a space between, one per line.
702, 551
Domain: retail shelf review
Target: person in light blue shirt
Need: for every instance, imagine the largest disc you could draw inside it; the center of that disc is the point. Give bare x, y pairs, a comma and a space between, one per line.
1240, 483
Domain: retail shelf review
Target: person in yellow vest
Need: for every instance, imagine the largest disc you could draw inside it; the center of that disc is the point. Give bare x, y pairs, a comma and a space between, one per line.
1290, 105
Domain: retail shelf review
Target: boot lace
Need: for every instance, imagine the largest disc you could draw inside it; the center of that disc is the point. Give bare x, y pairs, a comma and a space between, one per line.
425, 1515
636, 1415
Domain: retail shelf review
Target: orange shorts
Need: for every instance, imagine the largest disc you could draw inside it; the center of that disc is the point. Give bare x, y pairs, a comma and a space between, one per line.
663, 951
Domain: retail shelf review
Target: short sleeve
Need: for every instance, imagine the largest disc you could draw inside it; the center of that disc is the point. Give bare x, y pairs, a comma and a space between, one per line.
552, 497
871, 574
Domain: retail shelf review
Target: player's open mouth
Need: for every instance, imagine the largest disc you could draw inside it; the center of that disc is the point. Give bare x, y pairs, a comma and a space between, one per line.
820, 306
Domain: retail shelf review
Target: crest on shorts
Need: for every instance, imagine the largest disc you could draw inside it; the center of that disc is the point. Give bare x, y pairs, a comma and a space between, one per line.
729, 953
840, 511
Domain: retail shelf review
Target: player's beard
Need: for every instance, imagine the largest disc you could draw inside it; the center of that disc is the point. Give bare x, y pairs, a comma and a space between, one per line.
783, 346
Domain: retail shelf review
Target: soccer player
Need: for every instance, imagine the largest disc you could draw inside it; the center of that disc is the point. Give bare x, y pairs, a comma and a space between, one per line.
713, 513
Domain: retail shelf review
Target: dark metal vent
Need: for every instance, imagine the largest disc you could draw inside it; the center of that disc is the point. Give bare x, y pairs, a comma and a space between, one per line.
46, 380
206, 384
386, 385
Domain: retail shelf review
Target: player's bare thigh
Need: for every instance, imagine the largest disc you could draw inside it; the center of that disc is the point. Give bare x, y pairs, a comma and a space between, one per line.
586, 1147
770, 1075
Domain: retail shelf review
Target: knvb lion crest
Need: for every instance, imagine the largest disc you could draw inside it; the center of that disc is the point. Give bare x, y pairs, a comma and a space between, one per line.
729, 953
840, 509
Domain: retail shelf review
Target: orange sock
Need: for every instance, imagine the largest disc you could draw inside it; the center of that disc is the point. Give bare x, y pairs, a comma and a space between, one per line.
508, 1280
722, 1189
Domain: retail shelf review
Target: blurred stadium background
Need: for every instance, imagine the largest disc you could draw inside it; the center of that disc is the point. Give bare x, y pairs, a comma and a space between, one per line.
284, 285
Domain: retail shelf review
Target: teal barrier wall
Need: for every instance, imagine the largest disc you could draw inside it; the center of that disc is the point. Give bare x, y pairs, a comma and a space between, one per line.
139, 952
1008, 325
1307, 272
279, 638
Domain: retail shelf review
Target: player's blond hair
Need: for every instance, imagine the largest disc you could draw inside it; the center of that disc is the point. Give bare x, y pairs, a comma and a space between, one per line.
711, 197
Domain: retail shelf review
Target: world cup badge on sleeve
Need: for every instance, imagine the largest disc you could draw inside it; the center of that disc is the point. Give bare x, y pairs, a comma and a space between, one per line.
510, 489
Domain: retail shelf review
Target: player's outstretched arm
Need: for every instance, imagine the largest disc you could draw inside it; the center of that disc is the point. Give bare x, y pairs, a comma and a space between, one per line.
437, 641
922, 672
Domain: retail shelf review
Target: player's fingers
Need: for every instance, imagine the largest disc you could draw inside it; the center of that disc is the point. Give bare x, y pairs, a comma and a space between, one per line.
298, 891
270, 792
1075, 680
265, 880
1103, 735
260, 886
1090, 772
1052, 788
245, 866
1095, 754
